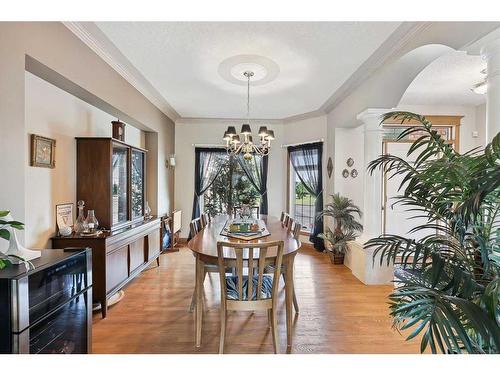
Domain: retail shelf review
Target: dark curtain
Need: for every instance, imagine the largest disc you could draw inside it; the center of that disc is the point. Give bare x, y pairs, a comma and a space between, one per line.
306, 161
256, 171
207, 166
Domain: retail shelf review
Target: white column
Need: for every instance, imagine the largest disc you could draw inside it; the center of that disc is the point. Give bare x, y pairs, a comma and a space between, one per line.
491, 53
372, 195
358, 259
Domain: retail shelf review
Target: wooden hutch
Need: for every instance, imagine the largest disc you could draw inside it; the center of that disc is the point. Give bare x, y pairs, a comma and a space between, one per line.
111, 180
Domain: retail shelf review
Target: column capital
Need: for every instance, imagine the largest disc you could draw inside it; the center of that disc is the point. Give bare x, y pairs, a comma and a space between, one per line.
491, 48
370, 118
491, 53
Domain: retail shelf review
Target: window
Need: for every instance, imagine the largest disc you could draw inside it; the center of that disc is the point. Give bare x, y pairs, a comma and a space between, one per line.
302, 203
230, 188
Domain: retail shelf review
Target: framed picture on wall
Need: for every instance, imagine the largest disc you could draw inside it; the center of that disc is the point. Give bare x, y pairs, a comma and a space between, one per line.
43, 151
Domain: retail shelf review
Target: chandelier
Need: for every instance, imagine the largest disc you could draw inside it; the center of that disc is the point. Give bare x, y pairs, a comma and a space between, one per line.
244, 144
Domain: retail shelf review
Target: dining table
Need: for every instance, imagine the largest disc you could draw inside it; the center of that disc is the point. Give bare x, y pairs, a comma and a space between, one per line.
204, 247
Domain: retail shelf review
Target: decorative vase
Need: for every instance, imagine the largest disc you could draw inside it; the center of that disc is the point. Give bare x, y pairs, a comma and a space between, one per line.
16, 249
147, 211
91, 223
245, 212
80, 220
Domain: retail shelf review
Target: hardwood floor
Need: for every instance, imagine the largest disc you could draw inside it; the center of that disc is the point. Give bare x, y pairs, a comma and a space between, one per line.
338, 314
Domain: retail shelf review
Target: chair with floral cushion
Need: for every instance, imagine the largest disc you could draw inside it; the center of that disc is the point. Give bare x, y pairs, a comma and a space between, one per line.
253, 291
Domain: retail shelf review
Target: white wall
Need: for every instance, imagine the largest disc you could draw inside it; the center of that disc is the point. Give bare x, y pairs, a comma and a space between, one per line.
210, 131
349, 143
52, 112
481, 122
474, 119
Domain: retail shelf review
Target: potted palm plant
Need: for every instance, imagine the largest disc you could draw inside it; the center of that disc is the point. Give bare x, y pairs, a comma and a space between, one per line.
448, 285
347, 228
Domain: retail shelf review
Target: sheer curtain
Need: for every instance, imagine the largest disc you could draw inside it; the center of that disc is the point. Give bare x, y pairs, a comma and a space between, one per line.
208, 163
306, 161
256, 171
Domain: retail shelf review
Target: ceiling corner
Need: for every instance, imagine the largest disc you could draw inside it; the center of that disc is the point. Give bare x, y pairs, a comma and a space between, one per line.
98, 42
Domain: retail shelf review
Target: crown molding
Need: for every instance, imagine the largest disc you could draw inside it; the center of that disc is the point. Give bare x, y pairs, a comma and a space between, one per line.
98, 42
390, 49
215, 120
304, 116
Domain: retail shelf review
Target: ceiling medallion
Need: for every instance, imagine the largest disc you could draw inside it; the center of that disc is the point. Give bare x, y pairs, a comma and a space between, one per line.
244, 145
233, 69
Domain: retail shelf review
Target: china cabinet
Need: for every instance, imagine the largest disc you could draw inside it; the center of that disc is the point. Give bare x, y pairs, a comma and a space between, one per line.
111, 180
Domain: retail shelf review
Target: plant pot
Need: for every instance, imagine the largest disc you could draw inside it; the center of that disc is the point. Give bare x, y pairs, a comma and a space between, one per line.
336, 258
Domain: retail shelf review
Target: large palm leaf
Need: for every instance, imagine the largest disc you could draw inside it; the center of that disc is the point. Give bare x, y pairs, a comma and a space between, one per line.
448, 281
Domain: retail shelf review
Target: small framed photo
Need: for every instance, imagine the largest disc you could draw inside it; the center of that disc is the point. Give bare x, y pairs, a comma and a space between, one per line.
64, 218
43, 152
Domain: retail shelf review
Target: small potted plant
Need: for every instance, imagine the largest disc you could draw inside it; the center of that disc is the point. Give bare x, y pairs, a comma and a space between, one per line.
347, 228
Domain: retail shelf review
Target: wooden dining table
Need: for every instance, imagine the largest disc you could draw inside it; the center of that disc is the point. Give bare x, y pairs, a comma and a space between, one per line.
204, 247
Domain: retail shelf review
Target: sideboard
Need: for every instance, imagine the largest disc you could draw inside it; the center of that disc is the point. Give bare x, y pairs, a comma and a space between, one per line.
117, 256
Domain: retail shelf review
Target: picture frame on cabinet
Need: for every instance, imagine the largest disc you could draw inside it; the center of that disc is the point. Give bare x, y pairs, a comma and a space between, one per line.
64, 218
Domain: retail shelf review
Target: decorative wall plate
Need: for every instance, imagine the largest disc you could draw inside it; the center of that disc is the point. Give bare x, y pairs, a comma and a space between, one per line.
345, 173
350, 162
329, 167
354, 173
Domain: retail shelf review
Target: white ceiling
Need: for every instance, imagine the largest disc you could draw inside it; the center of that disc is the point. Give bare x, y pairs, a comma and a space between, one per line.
181, 60
447, 81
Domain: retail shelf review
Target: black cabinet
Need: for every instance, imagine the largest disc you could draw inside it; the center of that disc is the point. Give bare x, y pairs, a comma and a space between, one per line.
48, 309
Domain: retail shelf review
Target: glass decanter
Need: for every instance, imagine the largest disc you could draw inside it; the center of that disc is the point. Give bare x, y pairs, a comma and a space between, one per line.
80, 221
147, 211
91, 222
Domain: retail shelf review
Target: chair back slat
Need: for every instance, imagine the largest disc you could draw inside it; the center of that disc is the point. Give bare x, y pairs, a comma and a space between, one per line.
290, 224
204, 220
262, 264
195, 226
296, 230
250, 272
257, 254
285, 221
239, 272
282, 217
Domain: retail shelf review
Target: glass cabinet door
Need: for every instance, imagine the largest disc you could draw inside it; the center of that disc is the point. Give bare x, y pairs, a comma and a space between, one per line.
137, 184
120, 184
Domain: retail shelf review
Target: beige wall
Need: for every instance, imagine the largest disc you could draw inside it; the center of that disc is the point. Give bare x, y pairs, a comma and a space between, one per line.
53, 113
70, 61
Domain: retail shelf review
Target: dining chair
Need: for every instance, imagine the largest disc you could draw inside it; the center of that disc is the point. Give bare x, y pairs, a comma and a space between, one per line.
282, 217
253, 291
205, 219
296, 230
196, 226
286, 220
254, 209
